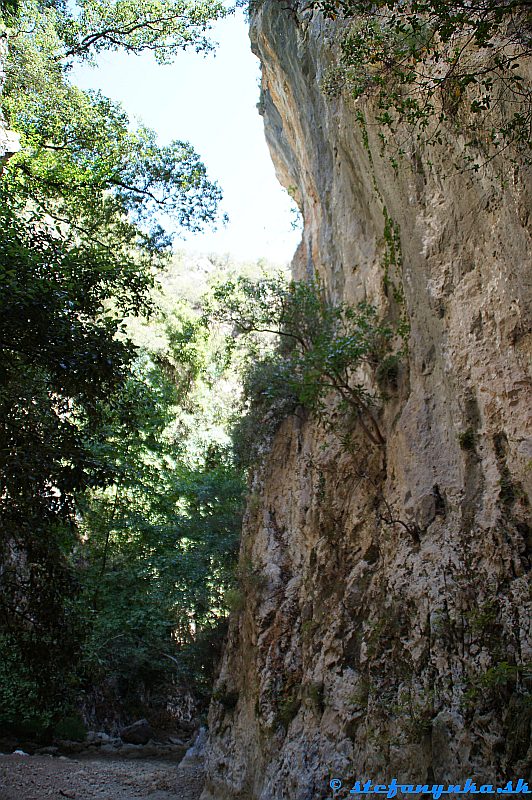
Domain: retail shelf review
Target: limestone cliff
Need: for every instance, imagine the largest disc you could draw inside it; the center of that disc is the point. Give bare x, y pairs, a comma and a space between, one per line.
386, 626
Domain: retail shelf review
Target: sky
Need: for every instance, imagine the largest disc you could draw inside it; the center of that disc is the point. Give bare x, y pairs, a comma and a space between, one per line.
211, 102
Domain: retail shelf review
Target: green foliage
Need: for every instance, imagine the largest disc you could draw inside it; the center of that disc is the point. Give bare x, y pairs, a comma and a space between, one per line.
234, 599
92, 26
61, 361
71, 728
160, 548
392, 260
287, 710
417, 722
160, 543
88, 27
189, 353
7, 9
387, 373
20, 690
81, 412
483, 618
467, 439
81, 164
426, 61
498, 683
266, 401
301, 350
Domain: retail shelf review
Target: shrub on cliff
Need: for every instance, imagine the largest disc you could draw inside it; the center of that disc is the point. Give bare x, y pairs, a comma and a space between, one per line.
300, 349
428, 62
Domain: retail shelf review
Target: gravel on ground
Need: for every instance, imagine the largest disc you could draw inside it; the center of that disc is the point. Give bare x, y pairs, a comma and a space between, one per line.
49, 778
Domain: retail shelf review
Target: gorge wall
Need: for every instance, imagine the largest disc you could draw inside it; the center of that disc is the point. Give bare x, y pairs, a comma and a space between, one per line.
386, 624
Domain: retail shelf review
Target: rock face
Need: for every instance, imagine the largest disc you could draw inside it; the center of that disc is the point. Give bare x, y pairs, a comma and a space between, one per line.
386, 628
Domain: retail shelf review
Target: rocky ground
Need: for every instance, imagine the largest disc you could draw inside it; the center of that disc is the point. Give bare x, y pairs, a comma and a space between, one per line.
85, 777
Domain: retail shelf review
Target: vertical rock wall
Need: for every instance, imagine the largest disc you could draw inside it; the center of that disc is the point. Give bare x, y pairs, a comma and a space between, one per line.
386, 626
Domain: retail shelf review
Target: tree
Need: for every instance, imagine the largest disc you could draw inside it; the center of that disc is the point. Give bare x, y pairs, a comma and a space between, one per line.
160, 544
318, 348
60, 362
88, 27
80, 163
164, 28
81, 243
7, 8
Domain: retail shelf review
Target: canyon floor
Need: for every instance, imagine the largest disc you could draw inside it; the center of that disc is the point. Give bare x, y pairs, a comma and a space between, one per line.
40, 777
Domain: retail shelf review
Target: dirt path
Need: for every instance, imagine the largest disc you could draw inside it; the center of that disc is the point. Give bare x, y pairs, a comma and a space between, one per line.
42, 777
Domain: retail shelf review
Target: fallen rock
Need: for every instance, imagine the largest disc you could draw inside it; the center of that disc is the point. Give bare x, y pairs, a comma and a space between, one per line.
197, 751
98, 737
47, 751
111, 748
138, 733
68, 746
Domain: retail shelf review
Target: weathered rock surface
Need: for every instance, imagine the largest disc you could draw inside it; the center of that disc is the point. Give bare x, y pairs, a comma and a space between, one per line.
386, 629
140, 732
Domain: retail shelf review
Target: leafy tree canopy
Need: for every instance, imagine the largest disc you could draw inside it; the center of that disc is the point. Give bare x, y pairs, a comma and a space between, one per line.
316, 349
82, 164
160, 544
82, 240
87, 27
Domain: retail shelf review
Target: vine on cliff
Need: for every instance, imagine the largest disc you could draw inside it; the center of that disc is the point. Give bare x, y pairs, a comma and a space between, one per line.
432, 62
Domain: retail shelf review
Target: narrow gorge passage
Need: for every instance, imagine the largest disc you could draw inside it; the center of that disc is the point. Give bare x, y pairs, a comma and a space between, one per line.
293, 513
